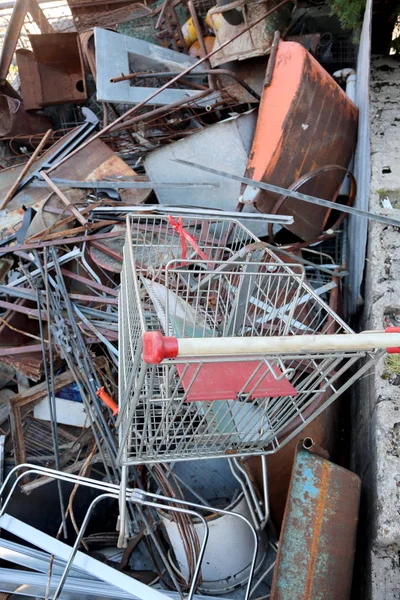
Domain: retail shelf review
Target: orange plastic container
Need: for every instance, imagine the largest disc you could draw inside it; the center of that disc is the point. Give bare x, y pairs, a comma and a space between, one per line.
306, 121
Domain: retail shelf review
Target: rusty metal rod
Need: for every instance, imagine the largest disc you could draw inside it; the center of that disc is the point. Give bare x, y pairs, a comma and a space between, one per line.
64, 198
135, 108
272, 59
205, 72
26, 168
62, 242
157, 112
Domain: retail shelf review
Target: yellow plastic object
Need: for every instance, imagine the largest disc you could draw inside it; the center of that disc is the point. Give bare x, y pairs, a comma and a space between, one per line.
189, 32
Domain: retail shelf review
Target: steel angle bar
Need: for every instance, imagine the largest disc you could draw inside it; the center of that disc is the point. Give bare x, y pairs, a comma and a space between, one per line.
123, 184
111, 348
351, 210
36, 560
86, 563
203, 212
63, 259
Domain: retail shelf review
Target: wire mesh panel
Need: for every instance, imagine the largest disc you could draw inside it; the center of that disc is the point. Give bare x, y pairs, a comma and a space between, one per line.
226, 286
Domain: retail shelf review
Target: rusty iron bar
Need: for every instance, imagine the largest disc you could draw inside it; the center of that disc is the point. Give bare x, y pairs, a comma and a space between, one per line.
272, 59
205, 72
66, 241
135, 108
25, 169
161, 110
64, 198
20, 350
89, 282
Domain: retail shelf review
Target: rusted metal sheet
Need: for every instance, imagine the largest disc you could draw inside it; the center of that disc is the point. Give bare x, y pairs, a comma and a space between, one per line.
21, 8
54, 72
15, 120
306, 122
257, 41
317, 544
96, 162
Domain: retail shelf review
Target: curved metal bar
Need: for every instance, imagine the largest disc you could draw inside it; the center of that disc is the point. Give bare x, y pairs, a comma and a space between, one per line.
56, 475
203, 543
78, 541
153, 504
68, 477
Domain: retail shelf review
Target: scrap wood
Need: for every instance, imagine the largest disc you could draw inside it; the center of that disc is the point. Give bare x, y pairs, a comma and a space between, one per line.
26, 168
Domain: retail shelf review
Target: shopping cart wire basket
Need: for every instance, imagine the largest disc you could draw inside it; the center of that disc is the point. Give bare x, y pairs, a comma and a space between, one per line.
224, 349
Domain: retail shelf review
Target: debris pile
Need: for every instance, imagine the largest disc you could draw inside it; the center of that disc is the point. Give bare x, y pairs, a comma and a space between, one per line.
174, 189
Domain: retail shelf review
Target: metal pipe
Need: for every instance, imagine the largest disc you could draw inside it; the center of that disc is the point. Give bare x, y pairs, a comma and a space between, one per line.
269, 345
51, 397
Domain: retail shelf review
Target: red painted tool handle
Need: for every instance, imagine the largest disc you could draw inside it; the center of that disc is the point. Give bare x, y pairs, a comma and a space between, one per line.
102, 394
392, 330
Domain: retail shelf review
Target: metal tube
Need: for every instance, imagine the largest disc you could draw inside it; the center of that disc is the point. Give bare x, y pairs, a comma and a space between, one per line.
50, 388
303, 344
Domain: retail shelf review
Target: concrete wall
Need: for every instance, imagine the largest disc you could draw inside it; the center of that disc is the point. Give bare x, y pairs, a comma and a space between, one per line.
376, 404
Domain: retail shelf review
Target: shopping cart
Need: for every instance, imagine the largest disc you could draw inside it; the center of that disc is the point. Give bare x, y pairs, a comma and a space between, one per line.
224, 349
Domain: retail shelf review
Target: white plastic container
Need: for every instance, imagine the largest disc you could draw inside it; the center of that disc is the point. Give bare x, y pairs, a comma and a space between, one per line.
230, 545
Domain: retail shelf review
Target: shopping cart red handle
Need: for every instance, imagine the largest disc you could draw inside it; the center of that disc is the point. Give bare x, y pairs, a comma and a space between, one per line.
157, 347
392, 330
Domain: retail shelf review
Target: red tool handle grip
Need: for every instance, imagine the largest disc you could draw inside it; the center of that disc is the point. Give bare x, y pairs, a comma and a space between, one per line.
102, 394
392, 330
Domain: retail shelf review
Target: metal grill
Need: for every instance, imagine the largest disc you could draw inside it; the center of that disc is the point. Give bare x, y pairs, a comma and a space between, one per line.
221, 405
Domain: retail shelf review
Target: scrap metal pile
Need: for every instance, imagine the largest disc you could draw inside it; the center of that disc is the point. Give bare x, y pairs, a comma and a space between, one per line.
174, 186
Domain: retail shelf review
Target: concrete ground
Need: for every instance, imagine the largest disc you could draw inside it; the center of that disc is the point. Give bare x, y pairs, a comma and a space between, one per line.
376, 406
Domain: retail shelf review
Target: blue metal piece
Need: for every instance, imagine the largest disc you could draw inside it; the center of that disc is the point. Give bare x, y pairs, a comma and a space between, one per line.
317, 545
